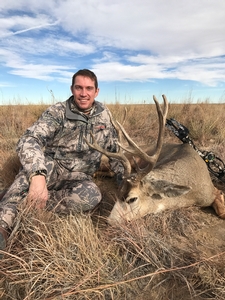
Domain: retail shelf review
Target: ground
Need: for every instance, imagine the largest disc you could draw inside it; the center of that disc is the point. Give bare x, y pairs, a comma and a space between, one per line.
184, 248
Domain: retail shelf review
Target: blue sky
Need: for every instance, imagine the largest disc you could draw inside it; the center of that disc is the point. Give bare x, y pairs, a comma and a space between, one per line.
136, 48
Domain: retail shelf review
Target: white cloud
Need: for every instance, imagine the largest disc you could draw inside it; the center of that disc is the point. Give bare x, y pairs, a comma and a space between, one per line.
29, 29
14, 25
50, 45
159, 26
125, 40
42, 72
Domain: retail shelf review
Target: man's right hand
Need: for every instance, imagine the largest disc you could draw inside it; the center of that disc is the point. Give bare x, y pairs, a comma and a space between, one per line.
38, 192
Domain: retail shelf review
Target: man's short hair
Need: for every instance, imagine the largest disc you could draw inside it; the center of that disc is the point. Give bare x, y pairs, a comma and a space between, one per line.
86, 73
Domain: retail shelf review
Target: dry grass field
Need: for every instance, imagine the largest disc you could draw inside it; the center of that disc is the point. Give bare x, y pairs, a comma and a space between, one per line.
173, 255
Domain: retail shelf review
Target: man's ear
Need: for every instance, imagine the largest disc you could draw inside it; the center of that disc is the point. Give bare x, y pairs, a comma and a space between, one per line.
71, 88
96, 92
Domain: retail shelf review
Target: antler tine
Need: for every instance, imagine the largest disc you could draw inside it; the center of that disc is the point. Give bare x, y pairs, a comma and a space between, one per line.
166, 107
162, 121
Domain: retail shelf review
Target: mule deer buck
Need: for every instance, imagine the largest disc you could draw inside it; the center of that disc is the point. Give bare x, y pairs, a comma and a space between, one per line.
174, 176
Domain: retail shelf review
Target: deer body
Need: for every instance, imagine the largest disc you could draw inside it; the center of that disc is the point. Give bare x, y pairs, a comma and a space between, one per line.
180, 178
167, 176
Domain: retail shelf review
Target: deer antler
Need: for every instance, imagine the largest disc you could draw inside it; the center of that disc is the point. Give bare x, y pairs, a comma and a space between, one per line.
137, 151
134, 149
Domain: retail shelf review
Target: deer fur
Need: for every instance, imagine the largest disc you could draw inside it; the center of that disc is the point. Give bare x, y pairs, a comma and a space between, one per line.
180, 178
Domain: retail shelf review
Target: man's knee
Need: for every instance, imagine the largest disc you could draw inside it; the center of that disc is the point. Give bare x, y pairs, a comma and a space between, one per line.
8, 214
83, 197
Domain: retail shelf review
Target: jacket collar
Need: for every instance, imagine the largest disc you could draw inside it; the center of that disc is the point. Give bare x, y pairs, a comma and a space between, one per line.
73, 114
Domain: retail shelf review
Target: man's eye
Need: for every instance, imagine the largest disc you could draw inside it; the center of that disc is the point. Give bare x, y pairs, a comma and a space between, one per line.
90, 88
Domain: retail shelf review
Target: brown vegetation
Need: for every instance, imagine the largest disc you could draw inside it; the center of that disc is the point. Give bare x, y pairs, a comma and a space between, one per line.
172, 255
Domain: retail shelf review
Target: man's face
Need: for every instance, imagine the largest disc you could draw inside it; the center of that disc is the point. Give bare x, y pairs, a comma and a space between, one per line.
84, 92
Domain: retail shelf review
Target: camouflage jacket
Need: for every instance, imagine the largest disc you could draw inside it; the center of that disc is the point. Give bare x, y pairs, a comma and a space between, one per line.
59, 134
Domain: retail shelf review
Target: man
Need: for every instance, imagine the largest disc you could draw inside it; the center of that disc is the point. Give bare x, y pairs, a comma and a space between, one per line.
57, 164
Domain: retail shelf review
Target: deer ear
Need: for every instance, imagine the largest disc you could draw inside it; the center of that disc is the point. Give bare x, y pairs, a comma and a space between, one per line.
170, 189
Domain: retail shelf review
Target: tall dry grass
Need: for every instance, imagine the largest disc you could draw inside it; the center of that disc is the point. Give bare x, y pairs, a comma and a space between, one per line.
173, 255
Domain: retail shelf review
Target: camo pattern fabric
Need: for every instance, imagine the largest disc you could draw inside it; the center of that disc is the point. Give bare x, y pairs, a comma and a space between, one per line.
55, 143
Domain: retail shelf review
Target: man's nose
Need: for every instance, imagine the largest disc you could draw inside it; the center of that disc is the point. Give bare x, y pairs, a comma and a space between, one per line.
83, 92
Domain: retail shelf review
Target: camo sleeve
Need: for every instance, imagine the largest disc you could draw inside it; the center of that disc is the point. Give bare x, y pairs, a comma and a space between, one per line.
115, 165
31, 144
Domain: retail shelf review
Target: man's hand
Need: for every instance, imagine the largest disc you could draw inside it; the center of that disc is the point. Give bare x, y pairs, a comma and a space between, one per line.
38, 192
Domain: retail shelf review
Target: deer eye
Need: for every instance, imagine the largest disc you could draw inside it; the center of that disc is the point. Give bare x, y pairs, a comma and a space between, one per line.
156, 196
131, 200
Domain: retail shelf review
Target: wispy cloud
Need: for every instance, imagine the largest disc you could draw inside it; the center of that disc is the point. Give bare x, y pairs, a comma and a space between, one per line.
41, 26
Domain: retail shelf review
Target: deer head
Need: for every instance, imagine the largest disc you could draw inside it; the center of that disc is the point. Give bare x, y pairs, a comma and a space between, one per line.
128, 206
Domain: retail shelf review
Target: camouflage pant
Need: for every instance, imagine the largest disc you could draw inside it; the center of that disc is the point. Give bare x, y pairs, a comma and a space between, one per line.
69, 191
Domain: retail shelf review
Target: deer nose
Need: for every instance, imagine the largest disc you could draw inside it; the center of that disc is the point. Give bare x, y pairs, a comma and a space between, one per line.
131, 200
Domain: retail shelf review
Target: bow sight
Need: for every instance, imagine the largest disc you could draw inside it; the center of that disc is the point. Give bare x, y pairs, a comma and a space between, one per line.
215, 164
